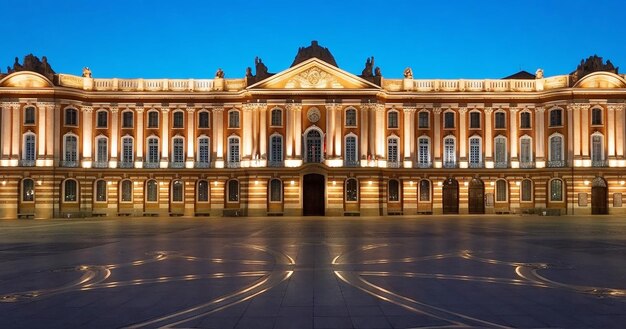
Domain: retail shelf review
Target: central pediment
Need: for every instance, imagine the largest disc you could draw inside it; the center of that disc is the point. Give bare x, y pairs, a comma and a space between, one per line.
314, 74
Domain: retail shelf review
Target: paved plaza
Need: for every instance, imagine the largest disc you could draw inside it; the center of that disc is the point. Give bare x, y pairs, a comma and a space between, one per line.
286, 272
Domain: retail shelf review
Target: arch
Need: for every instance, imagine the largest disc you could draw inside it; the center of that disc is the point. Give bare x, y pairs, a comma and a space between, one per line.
450, 196
275, 190
152, 191
393, 119
26, 79
177, 191
153, 118
604, 80
27, 190
351, 118
29, 148
178, 119
69, 190
126, 191
234, 121
313, 144
276, 117
599, 196
476, 196
100, 191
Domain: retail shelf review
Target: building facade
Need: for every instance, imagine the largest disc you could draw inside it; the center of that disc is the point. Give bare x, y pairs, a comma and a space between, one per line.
311, 140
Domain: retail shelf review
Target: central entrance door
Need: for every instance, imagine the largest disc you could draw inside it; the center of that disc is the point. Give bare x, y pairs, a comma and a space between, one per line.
599, 196
476, 196
450, 196
313, 195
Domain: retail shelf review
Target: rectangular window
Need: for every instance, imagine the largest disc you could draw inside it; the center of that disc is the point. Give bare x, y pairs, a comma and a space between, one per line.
153, 150
153, 119
203, 150
448, 120
101, 191
127, 150
203, 191
525, 150
178, 151
474, 120
500, 120
424, 191
392, 150
102, 119
203, 120
127, 119
392, 120
423, 151
423, 121
474, 151
102, 154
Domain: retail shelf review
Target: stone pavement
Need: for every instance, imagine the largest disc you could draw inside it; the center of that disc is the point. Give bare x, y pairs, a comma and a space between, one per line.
292, 272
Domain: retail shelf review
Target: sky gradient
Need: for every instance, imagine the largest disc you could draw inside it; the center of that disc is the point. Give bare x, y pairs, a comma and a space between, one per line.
191, 39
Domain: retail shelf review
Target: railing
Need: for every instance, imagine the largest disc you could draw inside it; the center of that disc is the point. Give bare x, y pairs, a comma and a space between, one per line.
100, 164
501, 164
556, 164
126, 164
527, 165
275, 163
449, 164
351, 163
26, 163
69, 164
150, 165
233, 164
479, 164
599, 163
202, 164
177, 164
394, 164
423, 165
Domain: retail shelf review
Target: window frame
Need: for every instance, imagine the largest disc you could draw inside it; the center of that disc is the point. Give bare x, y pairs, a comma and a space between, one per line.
198, 191
531, 155
530, 120
208, 120
65, 150
158, 150
497, 190
173, 155
228, 190
132, 119
238, 116
496, 114
280, 117
278, 136
270, 191
229, 144
419, 121
446, 113
122, 184
521, 191
106, 119
562, 151
563, 196
428, 150
122, 150
147, 191
480, 149
64, 191
506, 149
97, 147
346, 197
178, 115
173, 185
23, 190
67, 118
356, 118
199, 153
399, 194
26, 111
96, 198
430, 191
356, 146
25, 146
157, 114
594, 110
390, 121
397, 145
475, 112
602, 148
560, 123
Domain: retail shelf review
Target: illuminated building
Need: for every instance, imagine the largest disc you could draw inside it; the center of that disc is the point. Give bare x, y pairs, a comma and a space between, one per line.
312, 139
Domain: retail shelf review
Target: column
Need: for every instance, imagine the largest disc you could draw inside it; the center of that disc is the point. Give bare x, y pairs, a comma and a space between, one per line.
247, 132
412, 136
407, 136
289, 131
115, 132
584, 113
619, 130
57, 133
437, 137
255, 132
363, 138
513, 138
488, 140
577, 130
338, 131
165, 138
139, 140
263, 132
218, 135
372, 131
87, 135
41, 133
610, 129
50, 133
539, 136
6, 130
462, 138
297, 130
15, 135
380, 131
570, 135
191, 136
330, 129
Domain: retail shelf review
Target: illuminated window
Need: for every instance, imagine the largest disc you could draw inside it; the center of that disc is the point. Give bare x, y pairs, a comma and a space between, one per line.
556, 148
204, 154
152, 191
556, 118
501, 190
351, 156
203, 191
475, 151
127, 119
277, 118
204, 119
392, 119
313, 146
524, 120
597, 147
71, 117
423, 151
276, 148
556, 190
179, 119
596, 116
233, 191
29, 148
424, 190
153, 150
102, 119
500, 120
394, 191
423, 120
153, 119
101, 190
350, 117
276, 190
233, 150
474, 120
448, 120
70, 148
102, 149
500, 154
28, 190
526, 149
126, 189
352, 190
127, 149
392, 149
527, 190
177, 191
70, 190
233, 119
29, 115
178, 150
449, 151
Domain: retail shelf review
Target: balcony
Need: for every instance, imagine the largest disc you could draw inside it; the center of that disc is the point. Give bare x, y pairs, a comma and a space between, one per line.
555, 164
26, 163
351, 163
202, 164
151, 165
233, 164
450, 164
479, 164
177, 165
126, 164
69, 164
394, 164
275, 163
527, 165
501, 164
100, 164
423, 165
599, 163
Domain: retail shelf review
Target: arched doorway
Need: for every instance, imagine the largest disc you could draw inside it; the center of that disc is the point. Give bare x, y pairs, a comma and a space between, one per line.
450, 196
313, 195
599, 197
476, 200
313, 144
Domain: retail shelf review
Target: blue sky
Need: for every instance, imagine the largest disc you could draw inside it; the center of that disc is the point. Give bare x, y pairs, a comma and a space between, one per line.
191, 39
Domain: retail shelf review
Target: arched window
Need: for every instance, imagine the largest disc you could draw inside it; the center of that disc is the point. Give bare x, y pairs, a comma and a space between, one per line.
394, 191
393, 144
233, 119
71, 117
351, 117
204, 119
233, 190
423, 120
556, 117
475, 152
596, 116
70, 150
556, 150
313, 146
179, 119
501, 190
424, 190
233, 151
276, 190
351, 157
29, 115
102, 149
102, 119
128, 118
556, 190
597, 149
524, 120
177, 190
474, 120
153, 150
526, 190
352, 190
500, 154
525, 151
448, 120
28, 190
392, 119
449, 152
178, 151
203, 191
29, 148
152, 191
126, 190
423, 152
100, 190
153, 119
276, 117
500, 118
203, 156
128, 151
70, 190
276, 150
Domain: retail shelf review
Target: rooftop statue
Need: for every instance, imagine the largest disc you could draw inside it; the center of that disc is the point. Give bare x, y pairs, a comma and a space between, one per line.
314, 50
86, 72
592, 64
219, 74
539, 74
261, 69
408, 73
32, 63
369, 67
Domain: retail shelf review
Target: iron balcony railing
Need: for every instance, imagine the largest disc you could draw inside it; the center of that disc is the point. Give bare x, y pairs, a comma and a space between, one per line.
177, 165
423, 165
599, 163
275, 163
394, 164
479, 164
69, 164
151, 165
351, 163
202, 164
233, 164
501, 164
126, 164
527, 165
556, 164
26, 163
100, 164
449, 164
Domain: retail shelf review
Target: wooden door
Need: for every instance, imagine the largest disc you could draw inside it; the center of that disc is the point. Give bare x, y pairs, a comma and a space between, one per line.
450, 196
476, 202
313, 195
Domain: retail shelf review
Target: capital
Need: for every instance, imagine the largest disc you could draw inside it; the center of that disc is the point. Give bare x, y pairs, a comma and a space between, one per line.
191, 110
165, 110
513, 110
409, 109
293, 106
139, 109
114, 109
87, 109
540, 109
488, 110
437, 110
379, 107
463, 110
218, 109
616, 107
